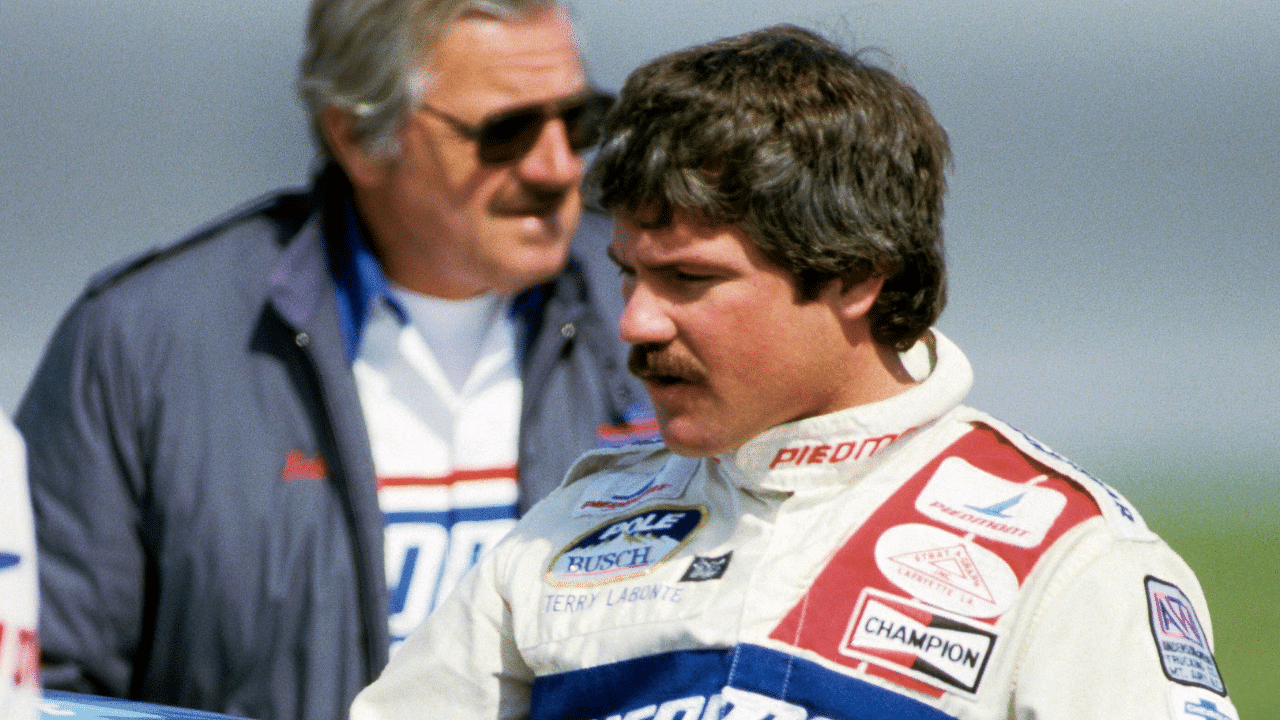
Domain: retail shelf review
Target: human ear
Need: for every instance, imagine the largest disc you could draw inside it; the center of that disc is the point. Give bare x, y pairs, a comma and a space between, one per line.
853, 300
361, 166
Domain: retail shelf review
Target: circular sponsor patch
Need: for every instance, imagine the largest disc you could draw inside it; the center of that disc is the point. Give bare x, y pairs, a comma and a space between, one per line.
946, 570
625, 548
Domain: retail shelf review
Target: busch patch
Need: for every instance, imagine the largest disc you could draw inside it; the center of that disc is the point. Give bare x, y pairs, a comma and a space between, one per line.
973, 500
939, 650
1181, 643
947, 571
626, 548
704, 568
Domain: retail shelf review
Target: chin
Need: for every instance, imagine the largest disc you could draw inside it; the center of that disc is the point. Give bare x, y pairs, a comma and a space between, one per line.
523, 265
538, 270
691, 444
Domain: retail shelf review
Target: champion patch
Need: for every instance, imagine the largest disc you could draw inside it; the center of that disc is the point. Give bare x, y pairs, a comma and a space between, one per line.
628, 490
625, 548
947, 571
973, 500
704, 568
942, 651
1184, 649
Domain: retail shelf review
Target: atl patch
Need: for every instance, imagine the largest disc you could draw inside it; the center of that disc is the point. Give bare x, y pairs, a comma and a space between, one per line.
704, 568
626, 548
1184, 649
940, 650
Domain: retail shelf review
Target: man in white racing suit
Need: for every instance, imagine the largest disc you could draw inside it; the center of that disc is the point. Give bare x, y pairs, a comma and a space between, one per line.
828, 531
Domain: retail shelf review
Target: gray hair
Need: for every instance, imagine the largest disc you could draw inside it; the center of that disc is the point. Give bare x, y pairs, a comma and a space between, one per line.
364, 56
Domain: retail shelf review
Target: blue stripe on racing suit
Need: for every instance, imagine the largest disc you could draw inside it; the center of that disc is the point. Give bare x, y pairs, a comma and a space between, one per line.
706, 684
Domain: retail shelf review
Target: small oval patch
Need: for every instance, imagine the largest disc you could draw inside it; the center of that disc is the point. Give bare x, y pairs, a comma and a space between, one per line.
946, 570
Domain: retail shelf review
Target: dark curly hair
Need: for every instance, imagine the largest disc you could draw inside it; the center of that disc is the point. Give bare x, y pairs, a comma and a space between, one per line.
833, 166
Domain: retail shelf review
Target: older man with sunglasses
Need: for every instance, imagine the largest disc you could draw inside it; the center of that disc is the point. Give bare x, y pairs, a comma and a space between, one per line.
260, 455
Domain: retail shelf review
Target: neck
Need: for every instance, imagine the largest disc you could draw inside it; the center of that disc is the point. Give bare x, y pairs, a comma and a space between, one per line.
879, 373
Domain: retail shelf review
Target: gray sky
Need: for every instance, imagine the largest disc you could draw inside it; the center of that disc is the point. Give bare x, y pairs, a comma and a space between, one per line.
1112, 223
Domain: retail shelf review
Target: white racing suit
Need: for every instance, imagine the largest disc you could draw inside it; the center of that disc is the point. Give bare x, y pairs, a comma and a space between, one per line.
911, 558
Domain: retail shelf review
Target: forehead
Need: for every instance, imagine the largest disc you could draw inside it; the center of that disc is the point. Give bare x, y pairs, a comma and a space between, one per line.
684, 239
483, 60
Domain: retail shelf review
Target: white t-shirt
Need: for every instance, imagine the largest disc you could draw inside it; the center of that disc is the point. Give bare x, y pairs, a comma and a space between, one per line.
441, 397
19, 644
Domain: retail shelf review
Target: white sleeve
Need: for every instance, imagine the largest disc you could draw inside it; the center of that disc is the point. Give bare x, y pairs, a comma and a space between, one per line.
1122, 632
461, 663
19, 646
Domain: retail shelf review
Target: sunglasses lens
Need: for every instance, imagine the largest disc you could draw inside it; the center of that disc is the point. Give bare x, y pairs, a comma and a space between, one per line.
509, 137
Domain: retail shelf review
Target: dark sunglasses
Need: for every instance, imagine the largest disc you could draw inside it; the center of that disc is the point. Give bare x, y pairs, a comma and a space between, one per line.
510, 134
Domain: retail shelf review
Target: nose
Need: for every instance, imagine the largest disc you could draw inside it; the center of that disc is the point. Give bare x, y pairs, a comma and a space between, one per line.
645, 319
551, 162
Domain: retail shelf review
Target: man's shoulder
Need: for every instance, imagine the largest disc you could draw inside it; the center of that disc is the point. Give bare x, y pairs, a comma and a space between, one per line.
633, 458
233, 245
997, 450
610, 481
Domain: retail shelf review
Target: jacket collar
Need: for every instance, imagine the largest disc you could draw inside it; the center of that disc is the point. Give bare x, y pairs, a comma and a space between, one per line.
843, 446
332, 254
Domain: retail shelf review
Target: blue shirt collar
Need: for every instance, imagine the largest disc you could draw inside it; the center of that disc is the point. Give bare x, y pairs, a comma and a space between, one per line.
359, 281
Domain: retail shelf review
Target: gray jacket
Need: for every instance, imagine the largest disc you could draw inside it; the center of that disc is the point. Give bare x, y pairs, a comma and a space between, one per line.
180, 561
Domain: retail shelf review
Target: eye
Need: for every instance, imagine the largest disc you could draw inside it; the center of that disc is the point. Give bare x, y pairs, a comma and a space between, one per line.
692, 277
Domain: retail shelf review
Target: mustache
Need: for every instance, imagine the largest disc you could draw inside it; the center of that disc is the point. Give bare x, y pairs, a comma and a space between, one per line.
657, 363
531, 200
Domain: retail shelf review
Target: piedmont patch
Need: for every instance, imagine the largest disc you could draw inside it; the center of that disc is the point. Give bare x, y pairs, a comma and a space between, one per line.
1180, 640
987, 505
626, 548
945, 570
942, 651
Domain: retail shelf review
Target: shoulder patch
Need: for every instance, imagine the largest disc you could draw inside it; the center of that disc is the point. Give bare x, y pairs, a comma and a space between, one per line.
622, 489
627, 458
920, 641
987, 505
946, 571
1121, 516
1181, 642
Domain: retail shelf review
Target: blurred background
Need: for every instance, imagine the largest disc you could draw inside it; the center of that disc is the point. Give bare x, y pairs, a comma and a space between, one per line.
1112, 224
